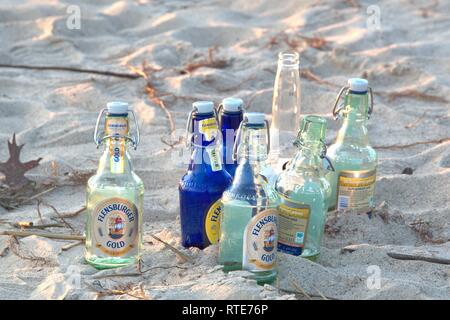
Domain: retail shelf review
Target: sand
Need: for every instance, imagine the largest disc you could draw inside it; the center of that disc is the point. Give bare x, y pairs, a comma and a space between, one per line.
167, 42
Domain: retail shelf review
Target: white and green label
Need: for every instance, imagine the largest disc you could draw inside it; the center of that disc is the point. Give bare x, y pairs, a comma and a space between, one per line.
260, 241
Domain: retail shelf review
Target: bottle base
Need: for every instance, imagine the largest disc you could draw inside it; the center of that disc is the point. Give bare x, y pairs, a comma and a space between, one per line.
110, 262
261, 277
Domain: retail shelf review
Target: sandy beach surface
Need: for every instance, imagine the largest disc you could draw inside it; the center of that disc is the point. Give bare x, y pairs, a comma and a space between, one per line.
160, 56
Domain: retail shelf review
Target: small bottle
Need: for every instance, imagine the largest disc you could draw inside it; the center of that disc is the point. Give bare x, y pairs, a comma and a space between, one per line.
202, 186
230, 115
355, 161
248, 238
114, 195
304, 192
285, 107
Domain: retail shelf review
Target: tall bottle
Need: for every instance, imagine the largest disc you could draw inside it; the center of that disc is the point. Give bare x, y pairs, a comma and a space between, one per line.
304, 192
248, 238
285, 107
201, 188
114, 195
230, 114
355, 161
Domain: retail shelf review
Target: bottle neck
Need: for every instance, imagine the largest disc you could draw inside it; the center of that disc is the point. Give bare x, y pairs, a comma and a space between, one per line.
309, 156
206, 156
253, 144
115, 158
355, 115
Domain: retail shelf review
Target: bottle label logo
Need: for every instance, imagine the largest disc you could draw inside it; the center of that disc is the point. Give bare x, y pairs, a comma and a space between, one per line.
115, 228
260, 241
292, 226
212, 222
208, 127
355, 191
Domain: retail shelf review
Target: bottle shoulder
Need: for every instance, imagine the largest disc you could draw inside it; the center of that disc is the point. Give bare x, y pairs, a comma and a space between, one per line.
345, 151
289, 183
129, 179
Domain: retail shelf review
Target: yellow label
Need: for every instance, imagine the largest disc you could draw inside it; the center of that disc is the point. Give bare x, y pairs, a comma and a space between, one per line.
212, 222
117, 126
292, 226
355, 190
208, 127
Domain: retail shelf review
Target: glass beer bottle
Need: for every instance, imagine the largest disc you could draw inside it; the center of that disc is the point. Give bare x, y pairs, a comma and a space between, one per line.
201, 188
114, 195
304, 192
248, 238
355, 161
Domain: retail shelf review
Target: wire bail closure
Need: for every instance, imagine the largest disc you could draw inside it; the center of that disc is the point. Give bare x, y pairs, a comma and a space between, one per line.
133, 139
337, 109
190, 129
238, 137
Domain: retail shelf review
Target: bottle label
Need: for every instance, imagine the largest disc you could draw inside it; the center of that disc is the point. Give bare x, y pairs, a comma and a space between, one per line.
260, 242
117, 126
355, 190
212, 222
115, 224
208, 127
215, 159
292, 228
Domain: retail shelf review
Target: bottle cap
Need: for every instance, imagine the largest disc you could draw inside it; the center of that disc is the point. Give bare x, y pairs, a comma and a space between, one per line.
232, 104
358, 84
203, 106
254, 117
117, 107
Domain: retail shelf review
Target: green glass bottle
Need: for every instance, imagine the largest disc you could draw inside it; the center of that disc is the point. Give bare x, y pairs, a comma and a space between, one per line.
304, 191
355, 161
248, 238
114, 195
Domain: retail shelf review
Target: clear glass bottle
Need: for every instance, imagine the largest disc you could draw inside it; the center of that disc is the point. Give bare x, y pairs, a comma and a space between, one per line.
355, 161
304, 191
248, 237
114, 195
285, 107
201, 188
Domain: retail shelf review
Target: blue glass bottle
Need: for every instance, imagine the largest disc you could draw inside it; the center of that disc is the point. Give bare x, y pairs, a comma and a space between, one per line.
202, 186
230, 115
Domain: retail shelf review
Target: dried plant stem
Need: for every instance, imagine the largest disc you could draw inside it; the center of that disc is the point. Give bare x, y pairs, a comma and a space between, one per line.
49, 235
72, 69
401, 146
71, 245
182, 255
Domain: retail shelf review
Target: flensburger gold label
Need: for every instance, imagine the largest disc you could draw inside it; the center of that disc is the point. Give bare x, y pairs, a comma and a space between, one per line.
115, 228
293, 219
212, 222
260, 241
355, 190
117, 126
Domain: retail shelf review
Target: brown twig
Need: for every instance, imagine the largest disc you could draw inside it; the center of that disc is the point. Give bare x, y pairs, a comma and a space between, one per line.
412, 93
49, 235
73, 214
71, 245
14, 245
401, 146
31, 225
209, 62
182, 255
57, 213
416, 122
418, 257
72, 69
